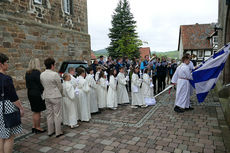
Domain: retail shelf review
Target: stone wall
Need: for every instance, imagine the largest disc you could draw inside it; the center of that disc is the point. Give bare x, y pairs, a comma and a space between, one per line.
224, 37
25, 34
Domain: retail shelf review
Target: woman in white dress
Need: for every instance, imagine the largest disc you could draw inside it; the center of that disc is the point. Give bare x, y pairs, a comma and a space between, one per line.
137, 97
83, 96
70, 114
112, 92
147, 89
102, 90
122, 93
92, 90
183, 86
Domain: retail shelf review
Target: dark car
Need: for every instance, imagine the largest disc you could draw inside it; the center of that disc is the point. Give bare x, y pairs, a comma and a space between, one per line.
75, 64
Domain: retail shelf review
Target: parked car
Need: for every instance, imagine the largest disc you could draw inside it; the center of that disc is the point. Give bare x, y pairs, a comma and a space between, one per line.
75, 64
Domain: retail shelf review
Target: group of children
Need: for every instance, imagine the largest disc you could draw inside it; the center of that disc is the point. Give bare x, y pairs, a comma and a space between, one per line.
87, 93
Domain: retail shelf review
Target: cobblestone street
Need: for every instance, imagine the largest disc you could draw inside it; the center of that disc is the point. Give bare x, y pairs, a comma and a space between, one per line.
146, 130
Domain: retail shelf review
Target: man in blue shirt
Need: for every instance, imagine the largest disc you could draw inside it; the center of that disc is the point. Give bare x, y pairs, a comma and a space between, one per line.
145, 63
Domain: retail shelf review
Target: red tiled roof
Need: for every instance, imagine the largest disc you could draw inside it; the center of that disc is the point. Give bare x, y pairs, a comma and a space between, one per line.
93, 55
196, 36
145, 51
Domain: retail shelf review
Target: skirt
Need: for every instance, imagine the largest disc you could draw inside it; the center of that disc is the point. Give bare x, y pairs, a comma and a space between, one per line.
36, 103
6, 133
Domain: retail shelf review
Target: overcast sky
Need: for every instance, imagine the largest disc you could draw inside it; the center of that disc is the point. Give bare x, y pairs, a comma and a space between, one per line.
158, 21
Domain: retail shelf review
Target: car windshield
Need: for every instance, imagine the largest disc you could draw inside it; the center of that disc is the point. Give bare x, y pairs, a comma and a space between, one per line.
75, 66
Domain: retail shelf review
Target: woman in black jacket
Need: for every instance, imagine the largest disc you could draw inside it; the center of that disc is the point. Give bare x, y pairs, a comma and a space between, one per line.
35, 90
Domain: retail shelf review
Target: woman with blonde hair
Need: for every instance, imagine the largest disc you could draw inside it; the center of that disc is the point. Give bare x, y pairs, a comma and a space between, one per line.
34, 91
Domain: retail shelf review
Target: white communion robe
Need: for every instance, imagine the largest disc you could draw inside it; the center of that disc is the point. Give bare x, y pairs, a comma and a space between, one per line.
102, 93
70, 111
73, 81
84, 99
147, 90
112, 93
191, 67
92, 93
183, 86
122, 93
137, 97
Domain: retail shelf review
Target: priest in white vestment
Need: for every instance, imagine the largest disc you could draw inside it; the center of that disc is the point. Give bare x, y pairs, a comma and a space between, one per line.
102, 90
70, 114
92, 91
183, 87
137, 97
122, 93
84, 102
112, 92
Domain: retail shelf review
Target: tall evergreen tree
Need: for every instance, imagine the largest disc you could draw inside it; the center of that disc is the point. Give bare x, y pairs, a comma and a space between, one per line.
123, 35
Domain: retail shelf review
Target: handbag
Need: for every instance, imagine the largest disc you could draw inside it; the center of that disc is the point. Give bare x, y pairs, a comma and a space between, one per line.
11, 119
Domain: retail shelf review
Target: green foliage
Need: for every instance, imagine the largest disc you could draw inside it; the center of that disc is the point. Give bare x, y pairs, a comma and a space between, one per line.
123, 35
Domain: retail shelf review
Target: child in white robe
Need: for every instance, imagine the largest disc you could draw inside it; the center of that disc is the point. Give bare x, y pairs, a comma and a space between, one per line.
182, 101
70, 114
147, 89
83, 96
122, 93
102, 90
99, 69
112, 92
137, 97
92, 91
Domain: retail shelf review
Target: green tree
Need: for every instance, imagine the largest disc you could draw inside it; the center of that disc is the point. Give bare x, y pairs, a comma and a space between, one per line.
123, 35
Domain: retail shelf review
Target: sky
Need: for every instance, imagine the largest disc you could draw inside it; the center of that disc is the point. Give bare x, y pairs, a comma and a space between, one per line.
158, 21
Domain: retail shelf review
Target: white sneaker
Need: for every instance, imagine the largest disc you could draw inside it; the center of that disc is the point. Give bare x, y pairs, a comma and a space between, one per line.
144, 106
134, 107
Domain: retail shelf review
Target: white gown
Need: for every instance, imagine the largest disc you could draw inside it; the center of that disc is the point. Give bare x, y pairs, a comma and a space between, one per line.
137, 97
92, 93
122, 93
70, 114
112, 93
102, 93
183, 86
84, 99
73, 81
191, 67
147, 90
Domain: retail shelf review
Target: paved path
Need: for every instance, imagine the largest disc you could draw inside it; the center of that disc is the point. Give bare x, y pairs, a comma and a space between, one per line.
145, 130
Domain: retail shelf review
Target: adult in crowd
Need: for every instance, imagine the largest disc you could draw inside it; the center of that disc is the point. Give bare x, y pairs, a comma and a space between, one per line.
144, 63
34, 92
101, 61
52, 93
161, 74
172, 68
12, 103
94, 66
119, 64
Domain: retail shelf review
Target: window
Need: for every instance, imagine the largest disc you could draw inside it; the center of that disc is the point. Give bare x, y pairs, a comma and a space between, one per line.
208, 53
38, 1
200, 53
215, 40
66, 4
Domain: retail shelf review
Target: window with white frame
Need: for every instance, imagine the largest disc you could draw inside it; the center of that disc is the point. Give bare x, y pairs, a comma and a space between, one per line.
66, 7
200, 53
38, 1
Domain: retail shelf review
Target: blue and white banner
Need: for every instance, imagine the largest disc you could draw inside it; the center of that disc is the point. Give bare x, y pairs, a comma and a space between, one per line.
207, 74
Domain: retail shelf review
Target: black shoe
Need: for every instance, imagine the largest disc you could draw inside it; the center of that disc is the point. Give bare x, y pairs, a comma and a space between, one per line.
50, 135
188, 109
33, 130
178, 109
37, 131
57, 136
